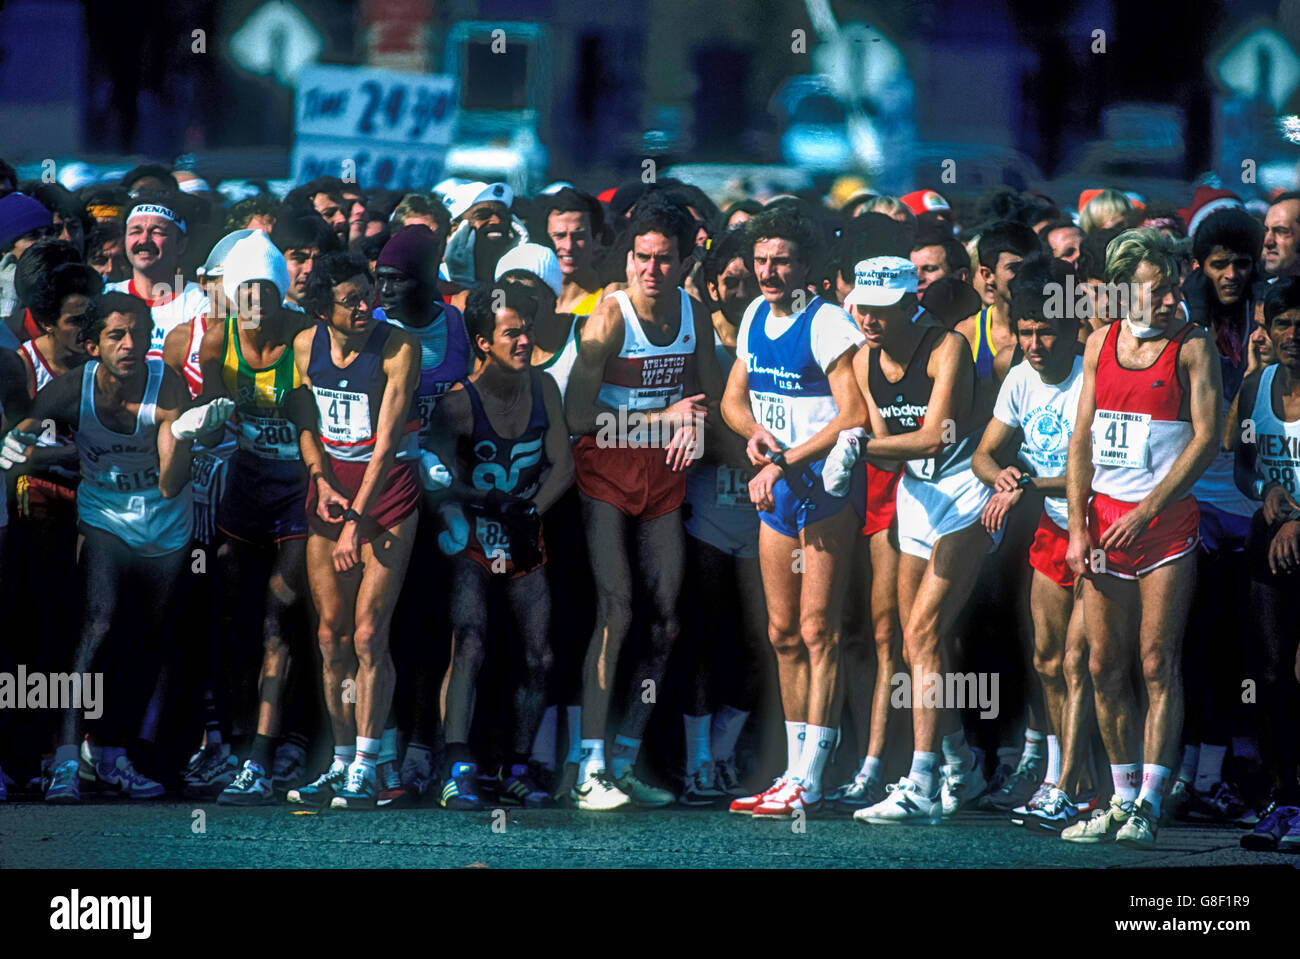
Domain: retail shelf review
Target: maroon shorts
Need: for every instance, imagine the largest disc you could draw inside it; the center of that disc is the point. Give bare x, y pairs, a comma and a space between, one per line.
1171, 535
882, 499
634, 480
1047, 552
397, 499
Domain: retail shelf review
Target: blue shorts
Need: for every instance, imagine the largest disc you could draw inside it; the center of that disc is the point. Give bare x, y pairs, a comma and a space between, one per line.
264, 501
1222, 531
801, 500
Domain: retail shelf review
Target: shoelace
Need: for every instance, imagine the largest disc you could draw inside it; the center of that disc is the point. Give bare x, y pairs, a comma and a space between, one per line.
356, 779
128, 772
245, 779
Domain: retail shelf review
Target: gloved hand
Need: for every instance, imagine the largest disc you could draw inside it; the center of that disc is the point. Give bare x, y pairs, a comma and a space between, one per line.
455, 536
838, 470
202, 419
15, 448
434, 476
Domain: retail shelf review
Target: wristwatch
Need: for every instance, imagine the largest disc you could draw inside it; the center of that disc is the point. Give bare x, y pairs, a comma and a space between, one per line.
351, 516
1025, 481
778, 460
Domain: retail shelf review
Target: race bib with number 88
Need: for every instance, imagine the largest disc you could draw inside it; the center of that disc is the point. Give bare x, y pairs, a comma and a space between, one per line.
492, 537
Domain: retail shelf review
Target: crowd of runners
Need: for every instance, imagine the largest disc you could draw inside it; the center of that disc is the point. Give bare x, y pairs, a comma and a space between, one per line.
362, 499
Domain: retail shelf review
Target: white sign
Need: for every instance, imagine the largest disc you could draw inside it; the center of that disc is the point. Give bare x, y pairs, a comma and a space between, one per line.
383, 128
1260, 61
276, 39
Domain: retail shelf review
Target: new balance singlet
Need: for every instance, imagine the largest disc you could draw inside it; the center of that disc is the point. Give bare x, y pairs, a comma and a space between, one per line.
348, 398
903, 406
1136, 432
119, 475
1277, 441
261, 426
643, 376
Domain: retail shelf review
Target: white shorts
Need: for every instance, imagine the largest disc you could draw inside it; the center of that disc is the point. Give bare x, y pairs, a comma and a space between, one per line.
928, 511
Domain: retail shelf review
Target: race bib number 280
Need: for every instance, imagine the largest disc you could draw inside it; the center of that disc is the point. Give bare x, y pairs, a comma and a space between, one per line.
1121, 440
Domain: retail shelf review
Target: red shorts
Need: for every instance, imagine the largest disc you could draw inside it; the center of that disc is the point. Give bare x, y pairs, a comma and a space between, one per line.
1172, 534
634, 480
1047, 552
882, 499
397, 500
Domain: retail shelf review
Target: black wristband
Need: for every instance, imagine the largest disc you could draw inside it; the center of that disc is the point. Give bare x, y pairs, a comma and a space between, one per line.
779, 460
351, 516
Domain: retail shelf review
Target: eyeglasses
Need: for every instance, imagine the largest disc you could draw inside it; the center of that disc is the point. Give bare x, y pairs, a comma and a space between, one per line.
354, 302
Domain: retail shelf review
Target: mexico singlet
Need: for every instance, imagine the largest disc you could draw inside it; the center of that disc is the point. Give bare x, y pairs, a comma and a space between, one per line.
1277, 441
445, 360
1136, 432
348, 398
119, 475
903, 406
261, 426
643, 376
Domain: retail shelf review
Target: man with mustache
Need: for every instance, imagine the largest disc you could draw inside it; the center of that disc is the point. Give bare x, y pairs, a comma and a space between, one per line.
483, 231
155, 241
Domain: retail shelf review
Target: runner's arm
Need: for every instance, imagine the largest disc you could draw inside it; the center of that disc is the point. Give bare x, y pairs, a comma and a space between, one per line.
402, 366
994, 444
1078, 463
57, 407
1204, 387
13, 386
951, 368
559, 477
173, 454
602, 336
214, 384
1243, 453
308, 419
174, 347
452, 421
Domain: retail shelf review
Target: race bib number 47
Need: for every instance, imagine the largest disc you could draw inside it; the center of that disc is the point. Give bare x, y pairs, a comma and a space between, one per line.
344, 416
1121, 440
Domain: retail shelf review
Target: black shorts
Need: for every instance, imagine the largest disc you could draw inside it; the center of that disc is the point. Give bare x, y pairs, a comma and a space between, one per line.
264, 502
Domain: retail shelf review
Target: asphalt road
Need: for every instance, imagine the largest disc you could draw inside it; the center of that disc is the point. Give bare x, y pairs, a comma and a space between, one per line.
166, 835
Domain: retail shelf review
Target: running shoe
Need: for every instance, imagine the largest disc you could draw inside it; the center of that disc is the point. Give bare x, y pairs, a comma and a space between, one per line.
1000, 776
1270, 830
214, 770
728, 780
701, 788
960, 790
123, 778
642, 793
252, 787
1051, 809
1104, 824
599, 794
745, 805
785, 802
1018, 788
1221, 803
858, 793
460, 790
1178, 803
1140, 830
566, 780
289, 768
1252, 817
1290, 841
903, 804
391, 791
90, 759
517, 785
360, 792
65, 786
321, 792
416, 774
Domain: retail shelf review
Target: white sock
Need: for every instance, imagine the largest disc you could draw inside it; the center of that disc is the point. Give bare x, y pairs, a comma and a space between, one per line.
367, 753
1153, 785
345, 754
727, 724
1127, 777
388, 745
697, 742
872, 769
625, 753
925, 773
591, 758
544, 741
956, 752
1033, 745
818, 741
794, 733
1053, 760
1209, 767
1191, 759
573, 719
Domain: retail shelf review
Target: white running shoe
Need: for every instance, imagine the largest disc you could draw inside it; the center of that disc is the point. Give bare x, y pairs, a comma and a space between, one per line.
903, 804
599, 794
959, 790
837, 471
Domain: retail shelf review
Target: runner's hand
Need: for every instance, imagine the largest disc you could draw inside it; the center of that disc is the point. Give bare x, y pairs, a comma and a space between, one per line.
1079, 554
1284, 551
1006, 480
330, 503
347, 551
761, 447
1124, 532
996, 509
1276, 503
760, 488
16, 447
202, 419
838, 469
683, 449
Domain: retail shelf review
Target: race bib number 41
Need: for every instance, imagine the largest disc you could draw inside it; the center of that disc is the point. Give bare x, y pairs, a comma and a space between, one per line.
1121, 440
344, 416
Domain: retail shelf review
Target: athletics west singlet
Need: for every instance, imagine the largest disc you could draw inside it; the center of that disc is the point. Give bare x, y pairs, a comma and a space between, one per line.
261, 426
348, 398
190, 304
1136, 432
1277, 441
513, 465
903, 406
643, 376
119, 475
445, 359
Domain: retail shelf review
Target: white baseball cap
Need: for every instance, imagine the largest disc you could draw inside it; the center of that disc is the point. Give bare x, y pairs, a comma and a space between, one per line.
536, 259
460, 199
881, 281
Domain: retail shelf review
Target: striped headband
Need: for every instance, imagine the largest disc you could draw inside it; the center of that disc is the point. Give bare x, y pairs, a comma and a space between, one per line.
154, 209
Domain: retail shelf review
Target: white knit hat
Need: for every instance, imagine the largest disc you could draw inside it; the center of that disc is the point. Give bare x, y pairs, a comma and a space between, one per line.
255, 257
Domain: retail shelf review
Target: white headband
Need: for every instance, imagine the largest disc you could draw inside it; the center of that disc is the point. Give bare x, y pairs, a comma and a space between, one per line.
153, 209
